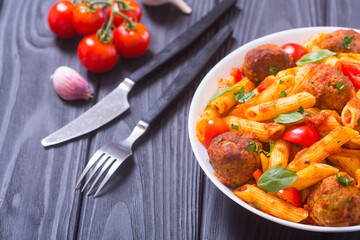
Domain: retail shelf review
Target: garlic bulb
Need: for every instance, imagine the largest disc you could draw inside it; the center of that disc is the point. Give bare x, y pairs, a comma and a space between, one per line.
70, 85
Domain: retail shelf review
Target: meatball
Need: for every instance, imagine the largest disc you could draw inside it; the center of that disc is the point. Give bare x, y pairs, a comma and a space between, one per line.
331, 89
333, 204
333, 41
232, 162
265, 60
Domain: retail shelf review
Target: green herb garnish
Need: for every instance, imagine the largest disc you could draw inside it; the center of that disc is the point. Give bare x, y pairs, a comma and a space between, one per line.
253, 147
347, 40
275, 179
289, 117
242, 97
314, 57
281, 81
349, 200
273, 70
283, 94
235, 127
271, 143
340, 85
256, 205
221, 91
344, 181
302, 111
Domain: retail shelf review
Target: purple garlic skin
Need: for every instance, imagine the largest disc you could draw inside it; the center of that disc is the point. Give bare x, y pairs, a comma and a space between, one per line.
70, 85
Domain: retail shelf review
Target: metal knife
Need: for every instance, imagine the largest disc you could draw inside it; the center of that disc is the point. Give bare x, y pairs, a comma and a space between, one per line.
116, 102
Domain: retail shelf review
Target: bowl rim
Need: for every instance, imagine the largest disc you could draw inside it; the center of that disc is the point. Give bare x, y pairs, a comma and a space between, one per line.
194, 116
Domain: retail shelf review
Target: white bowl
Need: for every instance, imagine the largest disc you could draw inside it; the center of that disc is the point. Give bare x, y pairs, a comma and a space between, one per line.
207, 88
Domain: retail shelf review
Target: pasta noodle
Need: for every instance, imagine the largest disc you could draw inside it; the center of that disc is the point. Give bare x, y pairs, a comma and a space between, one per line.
280, 153
270, 204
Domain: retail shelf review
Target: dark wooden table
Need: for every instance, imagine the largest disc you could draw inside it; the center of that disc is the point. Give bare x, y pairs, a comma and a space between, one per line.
161, 192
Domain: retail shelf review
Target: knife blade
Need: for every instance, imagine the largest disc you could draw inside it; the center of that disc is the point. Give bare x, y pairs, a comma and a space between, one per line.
116, 102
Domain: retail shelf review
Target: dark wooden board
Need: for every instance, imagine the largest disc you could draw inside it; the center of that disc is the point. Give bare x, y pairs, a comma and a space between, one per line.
160, 192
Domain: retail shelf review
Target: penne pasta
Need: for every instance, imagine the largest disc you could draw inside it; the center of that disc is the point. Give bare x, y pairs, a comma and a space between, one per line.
301, 76
264, 162
272, 109
269, 203
313, 174
323, 148
227, 100
280, 153
265, 132
347, 159
208, 114
313, 42
357, 178
328, 125
350, 115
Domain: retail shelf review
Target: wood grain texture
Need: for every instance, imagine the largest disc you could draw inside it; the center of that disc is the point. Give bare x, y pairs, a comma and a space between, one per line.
160, 192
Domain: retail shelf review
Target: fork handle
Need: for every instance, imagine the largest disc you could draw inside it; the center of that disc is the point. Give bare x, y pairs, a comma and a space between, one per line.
187, 75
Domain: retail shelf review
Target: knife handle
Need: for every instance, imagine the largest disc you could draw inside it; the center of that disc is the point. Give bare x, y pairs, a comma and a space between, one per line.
188, 75
181, 42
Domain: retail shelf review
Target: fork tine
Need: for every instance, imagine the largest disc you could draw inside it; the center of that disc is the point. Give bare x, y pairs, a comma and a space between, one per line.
108, 175
91, 162
98, 165
103, 169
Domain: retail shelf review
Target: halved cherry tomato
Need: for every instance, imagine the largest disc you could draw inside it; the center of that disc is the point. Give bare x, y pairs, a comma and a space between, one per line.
214, 128
295, 50
87, 22
301, 134
291, 195
265, 84
60, 19
257, 174
132, 10
235, 72
131, 43
95, 55
352, 71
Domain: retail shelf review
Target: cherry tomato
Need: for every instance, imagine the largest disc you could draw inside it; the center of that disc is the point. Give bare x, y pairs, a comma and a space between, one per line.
95, 55
257, 174
60, 19
214, 128
352, 71
301, 134
291, 195
131, 43
134, 12
235, 72
87, 22
295, 50
265, 84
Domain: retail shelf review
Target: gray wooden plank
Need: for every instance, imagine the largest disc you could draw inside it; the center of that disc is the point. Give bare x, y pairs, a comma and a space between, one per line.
37, 195
161, 187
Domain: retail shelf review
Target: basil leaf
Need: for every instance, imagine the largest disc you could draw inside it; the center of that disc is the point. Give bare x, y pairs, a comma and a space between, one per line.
344, 181
314, 56
302, 111
242, 97
271, 143
289, 117
347, 40
221, 91
253, 147
276, 179
273, 70
283, 94
340, 85
235, 127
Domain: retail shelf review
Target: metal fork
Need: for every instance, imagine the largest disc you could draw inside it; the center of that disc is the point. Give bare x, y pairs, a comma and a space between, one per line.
112, 155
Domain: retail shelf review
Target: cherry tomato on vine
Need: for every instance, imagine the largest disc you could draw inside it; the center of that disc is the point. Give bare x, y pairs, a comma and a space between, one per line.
291, 195
352, 71
214, 128
295, 50
97, 56
60, 19
301, 134
131, 43
87, 22
132, 10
